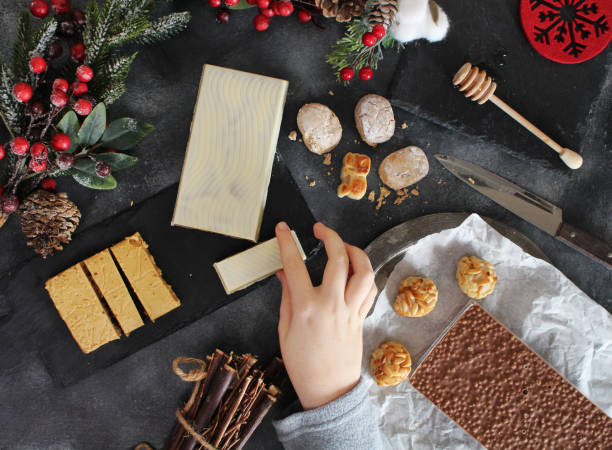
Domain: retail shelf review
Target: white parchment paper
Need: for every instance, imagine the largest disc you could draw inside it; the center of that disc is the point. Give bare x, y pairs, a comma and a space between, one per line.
532, 298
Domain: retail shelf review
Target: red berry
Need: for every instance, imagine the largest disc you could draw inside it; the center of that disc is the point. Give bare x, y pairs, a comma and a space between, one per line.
37, 108
84, 73
251, 2
60, 85
39, 8
64, 161
39, 151
2, 155
102, 169
261, 22
23, 92
60, 142
79, 17
48, 184
267, 12
379, 31
368, 39
111, 150
284, 8
79, 88
61, 6
82, 107
38, 64
366, 73
1, 192
232, 2
214, 3
77, 52
37, 165
54, 51
59, 99
304, 16
223, 15
10, 203
347, 73
263, 4
20, 146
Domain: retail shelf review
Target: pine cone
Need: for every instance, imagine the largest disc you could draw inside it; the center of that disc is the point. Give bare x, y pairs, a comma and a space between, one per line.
343, 11
382, 12
48, 220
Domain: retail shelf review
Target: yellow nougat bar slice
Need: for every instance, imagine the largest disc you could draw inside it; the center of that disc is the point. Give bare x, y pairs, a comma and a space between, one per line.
79, 306
108, 280
144, 276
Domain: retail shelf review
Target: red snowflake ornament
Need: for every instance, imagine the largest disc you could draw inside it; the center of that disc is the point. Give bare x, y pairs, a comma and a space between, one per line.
567, 31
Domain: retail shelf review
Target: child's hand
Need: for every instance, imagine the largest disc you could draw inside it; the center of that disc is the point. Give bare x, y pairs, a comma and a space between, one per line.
320, 328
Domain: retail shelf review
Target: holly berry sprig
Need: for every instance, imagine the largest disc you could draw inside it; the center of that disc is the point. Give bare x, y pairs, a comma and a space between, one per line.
267, 10
369, 39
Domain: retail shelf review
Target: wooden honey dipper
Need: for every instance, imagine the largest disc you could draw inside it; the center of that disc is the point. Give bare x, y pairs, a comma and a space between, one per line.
478, 86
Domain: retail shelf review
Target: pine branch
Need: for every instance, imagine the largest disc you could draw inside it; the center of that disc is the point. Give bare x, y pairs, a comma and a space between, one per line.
110, 82
96, 34
23, 43
164, 28
129, 30
113, 92
11, 109
43, 37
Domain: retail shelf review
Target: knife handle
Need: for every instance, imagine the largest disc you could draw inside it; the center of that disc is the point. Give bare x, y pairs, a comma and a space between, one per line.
586, 244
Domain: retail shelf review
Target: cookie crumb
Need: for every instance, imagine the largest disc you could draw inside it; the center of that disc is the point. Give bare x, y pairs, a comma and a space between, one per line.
330, 92
372, 196
356, 141
327, 159
312, 183
440, 181
404, 126
328, 172
384, 193
190, 275
471, 180
415, 192
292, 135
307, 178
300, 140
131, 202
402, 194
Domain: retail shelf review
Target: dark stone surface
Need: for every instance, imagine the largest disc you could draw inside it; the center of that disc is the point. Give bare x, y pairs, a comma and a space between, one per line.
134, 399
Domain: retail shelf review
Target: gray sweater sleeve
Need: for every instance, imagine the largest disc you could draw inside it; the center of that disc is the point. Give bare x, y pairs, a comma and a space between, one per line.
349, 422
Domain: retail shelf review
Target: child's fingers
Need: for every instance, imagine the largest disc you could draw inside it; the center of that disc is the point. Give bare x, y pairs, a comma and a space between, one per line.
298, 280
361, 281
284, 318
364, 309
336, 269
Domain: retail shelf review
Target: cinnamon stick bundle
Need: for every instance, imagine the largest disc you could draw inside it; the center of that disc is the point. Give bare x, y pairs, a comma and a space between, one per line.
227, 403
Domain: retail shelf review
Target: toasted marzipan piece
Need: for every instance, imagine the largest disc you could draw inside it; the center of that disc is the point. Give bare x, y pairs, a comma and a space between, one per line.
355, 168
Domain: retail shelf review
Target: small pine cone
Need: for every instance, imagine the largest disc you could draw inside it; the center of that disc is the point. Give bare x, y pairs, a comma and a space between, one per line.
343, 11
382, 12
48, 220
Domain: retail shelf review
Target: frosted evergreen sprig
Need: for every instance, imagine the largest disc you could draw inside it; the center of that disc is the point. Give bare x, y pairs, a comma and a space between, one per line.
165, 28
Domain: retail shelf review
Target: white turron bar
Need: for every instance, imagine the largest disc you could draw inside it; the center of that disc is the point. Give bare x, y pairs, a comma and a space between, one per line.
231, 149
252, 265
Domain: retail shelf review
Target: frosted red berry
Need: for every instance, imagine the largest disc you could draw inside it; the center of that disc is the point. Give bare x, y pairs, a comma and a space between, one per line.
61, 6
263, 4
59, 99
78, 17
37, 109
304, 16
54, 51
366, 73
368, 39
79, 88
48, 184
20, 146
37, 165
23, 92
223, 15
267, 12
84, 73
261, 22
2, 154
232, 2
39, 151
10, 203
39, 8
77, 52
283, 8
102, 169
82, 107
60, 85
64, 161
214, 3
347, 73
60, 142
379, 31
111, 150
251, 2
1, 192
38, 64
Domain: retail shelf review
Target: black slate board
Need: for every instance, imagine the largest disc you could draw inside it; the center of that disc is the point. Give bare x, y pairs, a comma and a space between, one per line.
184, 255
560, 99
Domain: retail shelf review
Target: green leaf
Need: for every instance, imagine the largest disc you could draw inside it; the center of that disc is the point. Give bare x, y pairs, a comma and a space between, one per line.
70, 125
117, 161
84, 173
242, 4
125, 133
93, 126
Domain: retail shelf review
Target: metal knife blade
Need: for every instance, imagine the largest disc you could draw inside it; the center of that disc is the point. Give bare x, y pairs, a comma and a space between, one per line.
521, 202
529, 207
